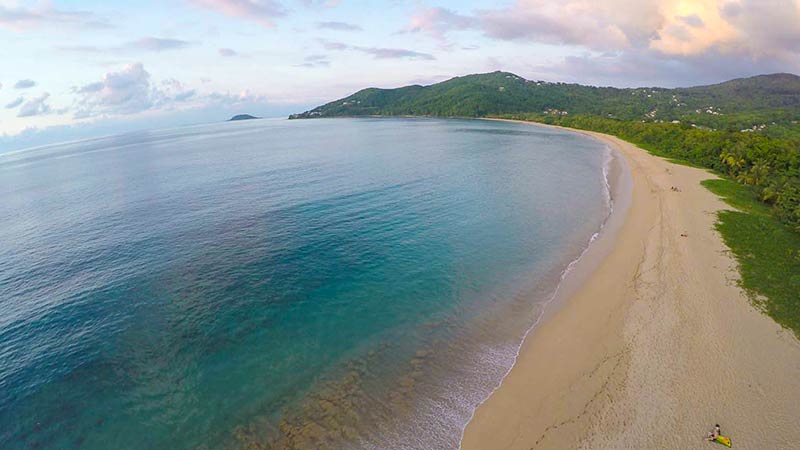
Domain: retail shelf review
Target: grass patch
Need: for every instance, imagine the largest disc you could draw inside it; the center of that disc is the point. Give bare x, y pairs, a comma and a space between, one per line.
767, 251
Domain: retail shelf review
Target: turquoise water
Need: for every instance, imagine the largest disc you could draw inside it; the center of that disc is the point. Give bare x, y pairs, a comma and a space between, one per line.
338, 283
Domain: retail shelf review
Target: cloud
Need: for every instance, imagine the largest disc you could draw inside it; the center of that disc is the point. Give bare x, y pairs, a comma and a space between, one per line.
24, 84
338, 26
82, 48
173, 91
242, 98
751, 28
35, 107
555, 23
128, 91
763, 29
756, 29
378, 52
693, 20
436, 22
155, 44
646, 68
328, 45
260, 11
131, 91
673, 33
312, 61
325, 3
14, 103
147, 44
394, 53
526, 20
227, 52
20, 18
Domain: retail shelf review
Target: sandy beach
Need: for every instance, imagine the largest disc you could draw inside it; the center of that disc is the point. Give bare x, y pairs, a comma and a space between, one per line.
653, 342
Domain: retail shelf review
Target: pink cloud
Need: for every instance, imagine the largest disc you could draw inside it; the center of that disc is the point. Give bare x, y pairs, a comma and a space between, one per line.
762, 33
22, 18
261, 11
752, 28
436, 22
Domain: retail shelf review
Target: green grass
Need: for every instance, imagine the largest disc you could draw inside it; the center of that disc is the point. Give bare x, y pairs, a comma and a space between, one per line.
767, 251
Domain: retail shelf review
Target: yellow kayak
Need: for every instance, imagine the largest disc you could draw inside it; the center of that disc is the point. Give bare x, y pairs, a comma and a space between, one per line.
724, 441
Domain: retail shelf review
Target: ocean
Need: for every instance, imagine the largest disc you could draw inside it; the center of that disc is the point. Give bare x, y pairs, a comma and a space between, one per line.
336, 283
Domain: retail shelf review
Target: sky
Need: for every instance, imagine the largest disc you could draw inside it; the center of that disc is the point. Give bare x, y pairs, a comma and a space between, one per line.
77, 69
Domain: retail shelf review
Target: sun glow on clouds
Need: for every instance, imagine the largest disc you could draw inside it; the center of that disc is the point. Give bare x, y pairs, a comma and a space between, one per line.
672, 27
693, 27
669, 39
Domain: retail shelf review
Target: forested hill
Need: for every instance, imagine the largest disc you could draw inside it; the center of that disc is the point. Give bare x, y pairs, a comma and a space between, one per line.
746, 103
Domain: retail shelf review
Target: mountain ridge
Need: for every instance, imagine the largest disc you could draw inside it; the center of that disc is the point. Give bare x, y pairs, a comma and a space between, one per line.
745, 101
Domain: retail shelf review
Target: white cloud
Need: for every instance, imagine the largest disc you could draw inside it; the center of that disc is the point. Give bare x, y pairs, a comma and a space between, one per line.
242, 98
325, 3
261, 11
24, 84
436, 22
338, 26
315, 61
394, 53
378, 52
35, 107
758, 29
132, 90
669, 33
14, 103
148, 43
128, 91
21, 18
155, 44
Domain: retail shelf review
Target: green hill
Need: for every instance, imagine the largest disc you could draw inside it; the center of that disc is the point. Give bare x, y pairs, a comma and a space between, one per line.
746, 103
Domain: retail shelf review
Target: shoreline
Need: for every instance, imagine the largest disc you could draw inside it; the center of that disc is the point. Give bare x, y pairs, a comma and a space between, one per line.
619, 187
619, 362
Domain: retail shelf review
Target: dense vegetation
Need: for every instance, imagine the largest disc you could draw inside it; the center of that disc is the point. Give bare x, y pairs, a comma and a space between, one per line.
746, 130
768, 253
769, 104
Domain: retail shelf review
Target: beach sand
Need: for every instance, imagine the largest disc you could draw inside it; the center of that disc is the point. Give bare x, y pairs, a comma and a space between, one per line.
654, 341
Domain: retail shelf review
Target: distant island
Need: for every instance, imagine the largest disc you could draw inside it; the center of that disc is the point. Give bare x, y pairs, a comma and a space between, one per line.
242, 117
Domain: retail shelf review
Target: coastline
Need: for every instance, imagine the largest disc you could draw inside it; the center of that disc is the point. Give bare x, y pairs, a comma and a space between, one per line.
652, 340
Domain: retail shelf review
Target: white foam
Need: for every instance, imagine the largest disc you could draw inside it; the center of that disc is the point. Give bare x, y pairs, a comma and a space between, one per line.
608, 159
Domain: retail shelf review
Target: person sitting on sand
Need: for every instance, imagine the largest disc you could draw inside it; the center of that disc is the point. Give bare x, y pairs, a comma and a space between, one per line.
713, 435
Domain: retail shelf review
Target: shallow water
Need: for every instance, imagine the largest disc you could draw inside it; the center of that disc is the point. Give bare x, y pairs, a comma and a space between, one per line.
348, 282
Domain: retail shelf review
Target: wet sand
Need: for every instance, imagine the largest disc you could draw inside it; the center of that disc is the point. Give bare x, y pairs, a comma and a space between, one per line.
653, 342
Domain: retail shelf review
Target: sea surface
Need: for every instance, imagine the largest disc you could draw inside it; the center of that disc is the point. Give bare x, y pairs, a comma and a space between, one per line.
340, 283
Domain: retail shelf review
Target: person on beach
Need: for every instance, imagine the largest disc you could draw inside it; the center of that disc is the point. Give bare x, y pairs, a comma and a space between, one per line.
714, 434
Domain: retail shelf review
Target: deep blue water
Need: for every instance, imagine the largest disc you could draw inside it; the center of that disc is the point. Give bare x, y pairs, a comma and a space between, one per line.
358, 282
